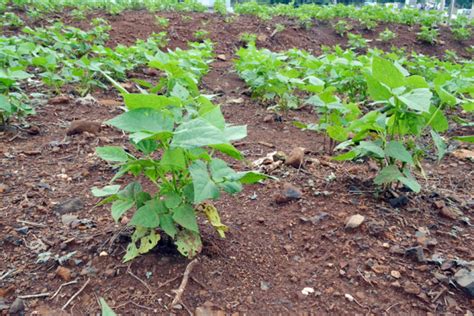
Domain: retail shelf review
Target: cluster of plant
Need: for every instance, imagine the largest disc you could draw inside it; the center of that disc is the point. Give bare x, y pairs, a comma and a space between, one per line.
386, 36
428, 34
356, 41
461, 29
378, 105
175, 136
368, 16
59, 55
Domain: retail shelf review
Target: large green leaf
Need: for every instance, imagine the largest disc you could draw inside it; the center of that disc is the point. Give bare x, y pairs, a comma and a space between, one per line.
197, 133
467, 139
173, 159
377, 91
167, 224
338, 133
204, 187
417, 99
387, 73
5, 104
396, 150
152, 101
105, 191
143, 120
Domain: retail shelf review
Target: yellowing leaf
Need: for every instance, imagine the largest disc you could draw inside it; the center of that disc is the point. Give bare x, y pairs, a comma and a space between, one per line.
148, 242
213, 216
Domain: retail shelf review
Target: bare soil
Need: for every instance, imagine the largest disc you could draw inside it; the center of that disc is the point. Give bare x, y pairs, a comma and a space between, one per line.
272, 251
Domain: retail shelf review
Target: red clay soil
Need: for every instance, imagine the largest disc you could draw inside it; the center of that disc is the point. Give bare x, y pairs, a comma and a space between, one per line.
272, 251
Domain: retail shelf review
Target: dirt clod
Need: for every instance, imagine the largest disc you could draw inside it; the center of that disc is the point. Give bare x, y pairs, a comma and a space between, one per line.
60, 99
411, 288
450, 213
69, 206
354, 221
17, 307
296, 157
64, 273
288, 193
79, 127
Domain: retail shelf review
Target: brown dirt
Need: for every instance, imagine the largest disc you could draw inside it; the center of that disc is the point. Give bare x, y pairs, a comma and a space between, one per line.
271, 252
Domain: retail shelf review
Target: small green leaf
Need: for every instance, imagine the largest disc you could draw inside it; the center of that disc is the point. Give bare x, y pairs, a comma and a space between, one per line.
411, 183
338, 133
119, 207
197, 133
105, 191
168, 226
105, 309
112, 153
396, 150
440, 145
372, 148
185, 216
388, 174
467, 139
143, 120
147, 215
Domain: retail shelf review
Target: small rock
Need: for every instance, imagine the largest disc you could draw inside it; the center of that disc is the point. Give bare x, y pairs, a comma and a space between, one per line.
17, 307
411, 288
88, 270
69, 206
380, 269
221, 57
449, 213
441, 277
264, 286
296, 157
307, 291
439, 204
465, 279
289, 193
60, 99
109, 273
88, 100
33, 130
396, 250
79, 127
262, 37
354, 221
395, 274
268, 118
23, 230
3, 188
416, 253
67, 219
279, 156
64, 273
237, 101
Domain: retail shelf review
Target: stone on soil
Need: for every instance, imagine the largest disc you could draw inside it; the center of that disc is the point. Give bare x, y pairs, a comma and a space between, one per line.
411, 288
64, 273
289, 193
69, 206
354, 221
18, 307
465, 279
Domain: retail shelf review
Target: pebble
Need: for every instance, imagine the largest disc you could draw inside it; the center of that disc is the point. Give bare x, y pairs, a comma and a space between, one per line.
411, 288
465, 279
416, 253
3, 188
264, 286
69, 206
307, 291
449, 213
295, 158
395, 274
17, 307
289, 193
354, 221
23, 230
400, 201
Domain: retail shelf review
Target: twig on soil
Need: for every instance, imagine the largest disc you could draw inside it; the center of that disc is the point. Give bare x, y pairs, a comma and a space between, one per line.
187, 309
364, 278
390, 307
34, 295
167, 282
31, 223
138, 279
443, 290
199, 282
75, 294
60, 287
179, 292
7, 274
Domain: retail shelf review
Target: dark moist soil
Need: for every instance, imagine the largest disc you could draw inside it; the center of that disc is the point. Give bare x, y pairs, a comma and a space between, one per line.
272, 251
